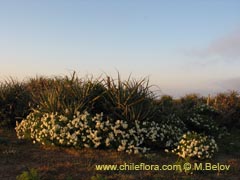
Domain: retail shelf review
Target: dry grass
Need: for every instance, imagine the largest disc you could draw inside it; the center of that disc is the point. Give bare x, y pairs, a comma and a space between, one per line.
60, 163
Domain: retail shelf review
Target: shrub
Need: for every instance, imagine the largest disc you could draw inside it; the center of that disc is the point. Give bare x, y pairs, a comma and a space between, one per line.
85, 130
36, 86
32, 174
166, 105
171, 129
69, 93
189, 101
201, 118
129, 100
14, 102
194, 145
228, 105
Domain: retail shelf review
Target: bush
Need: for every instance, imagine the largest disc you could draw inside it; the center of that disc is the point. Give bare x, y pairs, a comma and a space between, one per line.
129, 100
32, 174
70, 93
14, 102
166, 105
201, 119
194, 145
189, 101
228, 105
171, 129
85, 130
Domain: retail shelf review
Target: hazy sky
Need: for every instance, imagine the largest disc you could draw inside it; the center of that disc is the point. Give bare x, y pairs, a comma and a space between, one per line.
183, 46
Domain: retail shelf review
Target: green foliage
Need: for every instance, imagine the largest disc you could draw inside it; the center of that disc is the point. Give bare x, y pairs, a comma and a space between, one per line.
195, 145
98, 177
69, 178
86, 130
121, 106
191, 100
180, 163
32, 174
14, 102
228, 106
68, 95
130, 100
201, 118
166, 105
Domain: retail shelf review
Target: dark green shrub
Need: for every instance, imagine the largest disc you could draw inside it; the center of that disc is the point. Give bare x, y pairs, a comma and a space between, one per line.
14, 102
166, 105
228, 105
185, 105
129, 100
202, 119
67, 95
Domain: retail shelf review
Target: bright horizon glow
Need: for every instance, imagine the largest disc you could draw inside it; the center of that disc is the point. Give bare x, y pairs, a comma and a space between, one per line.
182, 46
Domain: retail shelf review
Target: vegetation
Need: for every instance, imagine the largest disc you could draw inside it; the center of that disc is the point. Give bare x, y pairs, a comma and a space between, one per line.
14, 102
32, 174
124, 115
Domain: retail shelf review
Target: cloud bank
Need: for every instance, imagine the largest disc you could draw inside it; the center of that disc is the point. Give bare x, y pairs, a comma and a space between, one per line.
227, 47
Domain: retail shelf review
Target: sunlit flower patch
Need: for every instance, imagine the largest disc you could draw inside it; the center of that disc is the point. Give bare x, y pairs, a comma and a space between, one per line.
195, 145
85, 130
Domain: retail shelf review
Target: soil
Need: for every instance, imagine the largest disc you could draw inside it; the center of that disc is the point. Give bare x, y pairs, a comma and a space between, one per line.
17, 156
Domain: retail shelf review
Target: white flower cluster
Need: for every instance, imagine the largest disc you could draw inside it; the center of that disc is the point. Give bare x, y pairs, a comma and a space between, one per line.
83, 130
171, 130
170, 135
204, 124
205, 108
195, 145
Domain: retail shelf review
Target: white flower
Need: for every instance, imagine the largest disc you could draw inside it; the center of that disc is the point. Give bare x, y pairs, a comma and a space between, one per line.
125, 125
107, 142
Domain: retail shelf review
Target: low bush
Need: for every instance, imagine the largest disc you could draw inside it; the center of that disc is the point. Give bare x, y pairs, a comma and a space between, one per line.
194, 145
14, 102
171, 129
201, 119
32, 174
85, 130
228, 106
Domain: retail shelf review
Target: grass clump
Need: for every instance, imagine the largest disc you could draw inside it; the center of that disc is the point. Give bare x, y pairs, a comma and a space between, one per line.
31, 174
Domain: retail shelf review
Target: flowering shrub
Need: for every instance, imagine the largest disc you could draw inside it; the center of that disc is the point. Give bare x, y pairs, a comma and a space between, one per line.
194, 145
203, 124
171, 130
205, 109
202, 119
84, 130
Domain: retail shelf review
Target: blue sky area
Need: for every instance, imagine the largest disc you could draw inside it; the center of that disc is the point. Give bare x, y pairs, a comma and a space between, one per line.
183, 46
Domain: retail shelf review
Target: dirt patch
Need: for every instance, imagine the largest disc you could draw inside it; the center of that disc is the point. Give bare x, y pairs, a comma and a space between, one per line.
17, 156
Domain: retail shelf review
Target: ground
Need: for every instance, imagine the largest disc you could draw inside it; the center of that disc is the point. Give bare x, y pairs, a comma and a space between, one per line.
57, 163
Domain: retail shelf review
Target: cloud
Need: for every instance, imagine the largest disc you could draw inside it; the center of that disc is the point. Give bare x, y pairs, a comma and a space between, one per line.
210, 86
224, 47
230, 84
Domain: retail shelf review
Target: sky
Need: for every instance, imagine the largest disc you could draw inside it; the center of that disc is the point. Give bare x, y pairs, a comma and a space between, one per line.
182, 46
